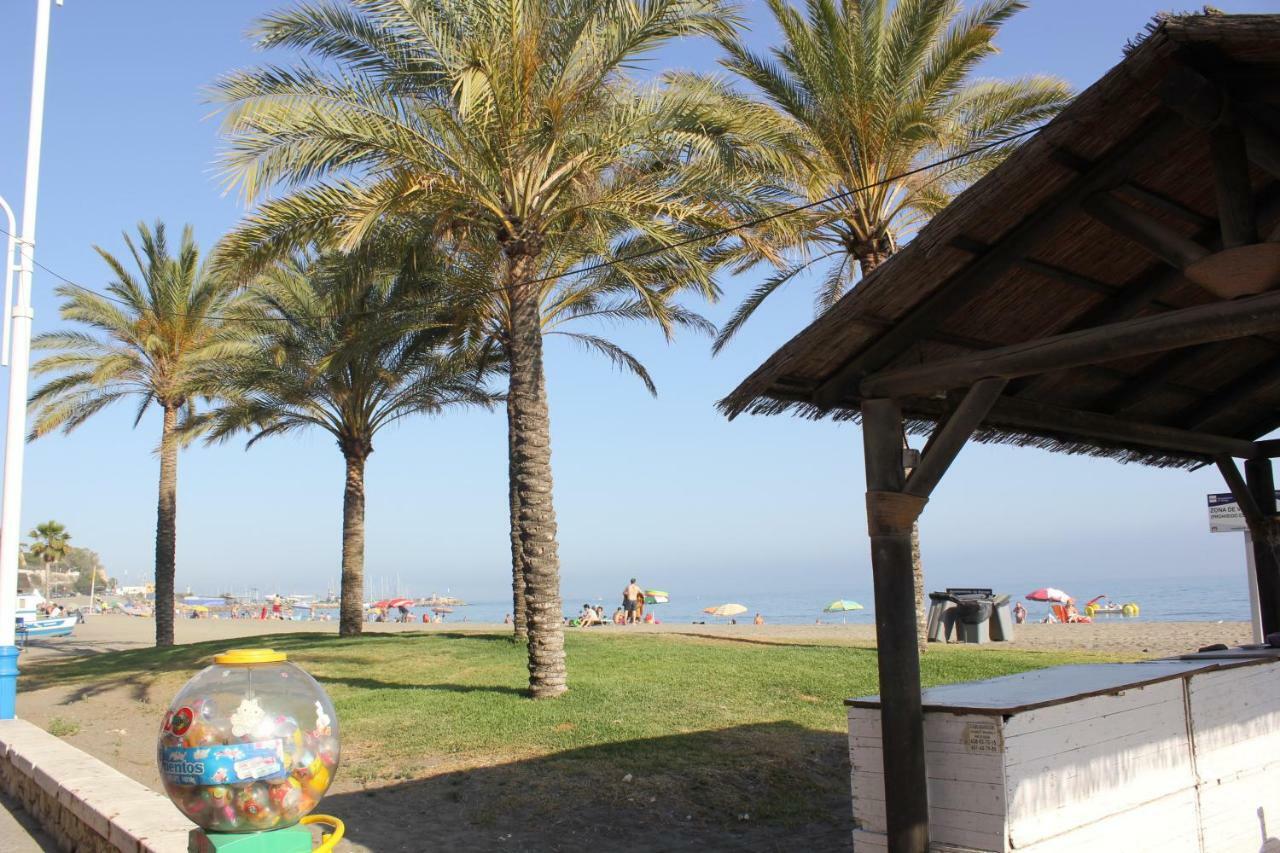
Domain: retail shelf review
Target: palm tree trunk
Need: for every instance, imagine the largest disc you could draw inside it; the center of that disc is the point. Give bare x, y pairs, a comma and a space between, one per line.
351, 611
869, 262
531, 461
167, 527
518, 613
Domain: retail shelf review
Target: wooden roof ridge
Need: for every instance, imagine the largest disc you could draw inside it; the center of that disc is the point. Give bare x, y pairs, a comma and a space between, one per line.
1084, 159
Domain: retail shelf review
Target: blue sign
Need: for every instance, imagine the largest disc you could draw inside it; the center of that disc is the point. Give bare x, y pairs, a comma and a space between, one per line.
223, 764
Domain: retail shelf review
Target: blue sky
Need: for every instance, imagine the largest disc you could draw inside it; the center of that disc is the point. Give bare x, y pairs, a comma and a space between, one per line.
666, 488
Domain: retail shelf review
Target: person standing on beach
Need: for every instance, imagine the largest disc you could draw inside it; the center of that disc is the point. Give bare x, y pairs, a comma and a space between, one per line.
629, 597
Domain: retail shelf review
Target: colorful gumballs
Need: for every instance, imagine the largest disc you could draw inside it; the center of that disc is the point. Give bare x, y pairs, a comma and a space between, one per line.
286, 796
253, 803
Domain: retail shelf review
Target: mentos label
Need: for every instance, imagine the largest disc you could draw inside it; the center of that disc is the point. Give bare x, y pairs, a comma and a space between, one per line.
223, 764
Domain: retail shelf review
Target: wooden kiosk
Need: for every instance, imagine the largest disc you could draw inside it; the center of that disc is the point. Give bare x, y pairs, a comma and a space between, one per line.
1112, 289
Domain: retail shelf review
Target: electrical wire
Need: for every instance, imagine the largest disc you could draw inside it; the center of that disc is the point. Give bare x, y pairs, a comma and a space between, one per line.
593, 267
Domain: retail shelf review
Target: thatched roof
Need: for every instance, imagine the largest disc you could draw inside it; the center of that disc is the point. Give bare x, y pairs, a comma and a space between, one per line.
1018, 258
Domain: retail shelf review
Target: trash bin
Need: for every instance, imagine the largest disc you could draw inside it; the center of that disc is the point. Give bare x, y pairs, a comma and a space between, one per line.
941, 617
1002, 620
972, 615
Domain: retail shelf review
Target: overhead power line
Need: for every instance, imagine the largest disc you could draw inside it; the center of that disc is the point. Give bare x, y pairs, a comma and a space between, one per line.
599, 265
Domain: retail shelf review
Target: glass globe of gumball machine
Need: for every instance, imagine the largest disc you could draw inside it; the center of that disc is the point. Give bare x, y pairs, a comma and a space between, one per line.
246, 751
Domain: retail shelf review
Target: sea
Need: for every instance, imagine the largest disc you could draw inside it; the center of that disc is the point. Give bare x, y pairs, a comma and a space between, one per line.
1206, 599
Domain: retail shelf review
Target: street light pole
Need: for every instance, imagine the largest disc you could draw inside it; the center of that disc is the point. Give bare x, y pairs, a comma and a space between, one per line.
20, 363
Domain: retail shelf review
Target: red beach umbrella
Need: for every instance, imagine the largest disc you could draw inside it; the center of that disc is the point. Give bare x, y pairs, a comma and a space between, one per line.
1049, 593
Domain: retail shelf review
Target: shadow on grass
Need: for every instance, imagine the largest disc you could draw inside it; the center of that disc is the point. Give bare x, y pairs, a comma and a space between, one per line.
763, 787
188, 657
376, 684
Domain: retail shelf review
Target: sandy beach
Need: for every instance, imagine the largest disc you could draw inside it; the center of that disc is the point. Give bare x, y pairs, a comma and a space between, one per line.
1134, 639
113, 718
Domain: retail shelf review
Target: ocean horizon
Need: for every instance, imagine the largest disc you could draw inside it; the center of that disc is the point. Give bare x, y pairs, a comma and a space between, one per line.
1208, 599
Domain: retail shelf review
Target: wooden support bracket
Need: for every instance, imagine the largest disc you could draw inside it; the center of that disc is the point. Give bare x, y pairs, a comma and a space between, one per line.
951, 436
1253, 515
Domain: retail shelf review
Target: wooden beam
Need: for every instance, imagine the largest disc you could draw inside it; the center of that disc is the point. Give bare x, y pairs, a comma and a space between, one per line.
1147, 288
1157, 376
1262, 145
1202, 103
1116, 165
1267, 449
1067, 276
1150, 233
901, 717
1171, 330
1232, 185
951, 436
1016, 414
1253, 515
1230, 395
1160, 201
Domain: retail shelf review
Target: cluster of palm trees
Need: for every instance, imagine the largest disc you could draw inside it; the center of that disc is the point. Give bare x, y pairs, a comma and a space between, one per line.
440, 184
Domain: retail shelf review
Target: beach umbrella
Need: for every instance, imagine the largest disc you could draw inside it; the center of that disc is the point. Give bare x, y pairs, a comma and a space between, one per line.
442, 610
1049, 593
724, 610
841, 605
388, 603
656, 596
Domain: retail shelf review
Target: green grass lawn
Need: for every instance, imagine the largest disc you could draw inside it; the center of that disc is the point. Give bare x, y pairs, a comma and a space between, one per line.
716, 728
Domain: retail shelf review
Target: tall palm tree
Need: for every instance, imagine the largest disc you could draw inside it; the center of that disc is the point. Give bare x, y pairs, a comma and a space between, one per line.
153, 338
508, 126
632, 290
346, 346
869, 90
49, 545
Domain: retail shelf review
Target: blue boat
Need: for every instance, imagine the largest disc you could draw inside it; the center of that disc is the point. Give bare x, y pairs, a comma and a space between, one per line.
31, 624
61, 627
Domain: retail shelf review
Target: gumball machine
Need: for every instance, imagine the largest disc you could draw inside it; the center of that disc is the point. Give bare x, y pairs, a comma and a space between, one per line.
247, 749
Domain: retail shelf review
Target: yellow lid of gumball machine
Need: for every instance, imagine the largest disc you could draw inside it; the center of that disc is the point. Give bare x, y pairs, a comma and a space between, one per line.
242, 657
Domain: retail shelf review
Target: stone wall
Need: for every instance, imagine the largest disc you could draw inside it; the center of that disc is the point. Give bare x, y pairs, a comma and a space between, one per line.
84, 805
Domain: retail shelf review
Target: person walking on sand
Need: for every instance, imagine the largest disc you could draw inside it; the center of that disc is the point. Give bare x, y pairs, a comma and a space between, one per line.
759, 620
629, 597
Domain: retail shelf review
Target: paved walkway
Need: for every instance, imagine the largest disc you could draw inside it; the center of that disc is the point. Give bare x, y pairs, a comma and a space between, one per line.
19, 832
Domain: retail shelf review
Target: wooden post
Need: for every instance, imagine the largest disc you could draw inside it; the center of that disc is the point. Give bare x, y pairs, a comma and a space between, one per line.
890, 515
1261, 482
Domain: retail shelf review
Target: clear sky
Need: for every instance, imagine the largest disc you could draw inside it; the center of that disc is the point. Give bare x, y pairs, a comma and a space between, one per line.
666, 488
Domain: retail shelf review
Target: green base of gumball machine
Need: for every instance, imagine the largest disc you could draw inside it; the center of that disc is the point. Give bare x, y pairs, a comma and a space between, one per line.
295, 839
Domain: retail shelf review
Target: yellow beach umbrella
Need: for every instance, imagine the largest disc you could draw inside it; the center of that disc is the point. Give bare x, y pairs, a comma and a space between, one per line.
725, 610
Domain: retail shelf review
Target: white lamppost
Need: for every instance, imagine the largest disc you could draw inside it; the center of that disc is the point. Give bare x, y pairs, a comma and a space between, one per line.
20, 362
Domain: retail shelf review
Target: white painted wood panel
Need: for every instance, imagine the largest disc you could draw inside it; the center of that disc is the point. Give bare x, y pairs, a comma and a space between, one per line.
1235, 719
1187, 763
1121, 752
1167, 825
1242, 815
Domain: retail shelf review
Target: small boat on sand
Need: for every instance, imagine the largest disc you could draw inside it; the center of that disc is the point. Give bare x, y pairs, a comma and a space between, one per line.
31, 624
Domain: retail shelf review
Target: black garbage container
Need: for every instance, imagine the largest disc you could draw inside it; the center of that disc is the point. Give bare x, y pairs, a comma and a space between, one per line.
973, 612
941, 617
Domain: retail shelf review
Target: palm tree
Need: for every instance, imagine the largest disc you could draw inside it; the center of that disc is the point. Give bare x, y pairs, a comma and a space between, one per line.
511, 128
633, 290
154, 338
50, 546
868, 91
346, 346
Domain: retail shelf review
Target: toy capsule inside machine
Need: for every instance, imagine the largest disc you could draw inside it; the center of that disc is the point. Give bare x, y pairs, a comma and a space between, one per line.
249, 745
